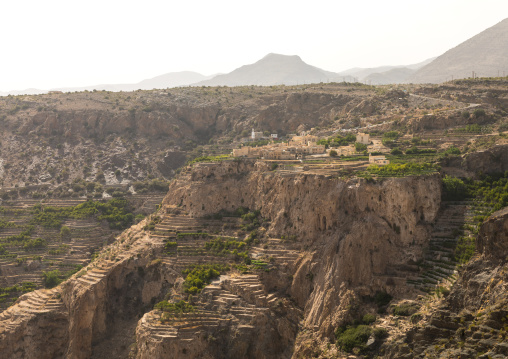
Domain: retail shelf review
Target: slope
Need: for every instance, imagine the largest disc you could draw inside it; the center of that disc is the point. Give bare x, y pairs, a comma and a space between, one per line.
273, 69
486, 54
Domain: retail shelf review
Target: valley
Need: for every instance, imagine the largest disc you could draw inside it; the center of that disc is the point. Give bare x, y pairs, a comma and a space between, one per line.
128, 228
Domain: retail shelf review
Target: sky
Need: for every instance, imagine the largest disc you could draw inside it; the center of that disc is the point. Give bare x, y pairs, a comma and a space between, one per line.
61, 43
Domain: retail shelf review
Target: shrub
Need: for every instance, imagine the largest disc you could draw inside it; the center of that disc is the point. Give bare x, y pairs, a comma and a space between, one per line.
391, 135
405, 310
382, 299
197, 277
396, 151
368, 319
479, 112
179, 307
333, 153
360, 147
34, 244
380, 333
452, 150
354, 337
52, 278
65, 232
454, 189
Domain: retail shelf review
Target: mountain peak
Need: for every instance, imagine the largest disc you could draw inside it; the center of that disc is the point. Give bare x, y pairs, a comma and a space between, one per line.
273, 69
273, 55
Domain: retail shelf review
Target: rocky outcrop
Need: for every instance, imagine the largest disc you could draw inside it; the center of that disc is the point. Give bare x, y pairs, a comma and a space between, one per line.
493, 160
354, 238
89, 308
471, 321
357, 233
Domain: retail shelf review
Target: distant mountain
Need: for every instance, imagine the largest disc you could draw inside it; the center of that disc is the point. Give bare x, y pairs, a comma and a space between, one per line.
397, 75
29, 91
274, 69
486, 54
383, 75
172, 79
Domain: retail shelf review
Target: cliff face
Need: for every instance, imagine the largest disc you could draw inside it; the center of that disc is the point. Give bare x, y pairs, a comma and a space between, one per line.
88, 309
471, 321
358, 234
345, 238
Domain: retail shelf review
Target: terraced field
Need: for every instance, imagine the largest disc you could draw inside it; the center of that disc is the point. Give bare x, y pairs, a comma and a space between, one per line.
37, 253
238, 297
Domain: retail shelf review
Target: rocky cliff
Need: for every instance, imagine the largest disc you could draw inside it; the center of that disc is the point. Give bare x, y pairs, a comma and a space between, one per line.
358, 236
471, 321
343, 239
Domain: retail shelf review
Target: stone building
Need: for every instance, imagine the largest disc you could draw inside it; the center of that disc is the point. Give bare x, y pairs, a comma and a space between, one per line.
363, 138
378, 160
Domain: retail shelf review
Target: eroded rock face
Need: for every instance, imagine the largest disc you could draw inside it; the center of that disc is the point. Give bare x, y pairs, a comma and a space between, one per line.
354, 238
357, 233
493, 160
85, 310
471, 320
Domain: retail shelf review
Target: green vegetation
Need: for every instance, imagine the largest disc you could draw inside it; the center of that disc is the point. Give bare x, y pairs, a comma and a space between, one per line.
465, 249
452, 150
195, 235
389, 138
338, 140
474, 128
179, 307
454, 189
368, 319
154, 185
419, 151
218, 158
396, 151
352, 337
250, 220
198, 276
257, 143
360, 147
51, 278
5, 224
116, 211
382, 299
170, 245
35, 244
401, 170
224, 245
12, 293
405, 309
492, 190
171, 309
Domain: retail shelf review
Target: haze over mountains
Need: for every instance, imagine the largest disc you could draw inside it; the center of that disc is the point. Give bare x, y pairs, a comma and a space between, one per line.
485, 54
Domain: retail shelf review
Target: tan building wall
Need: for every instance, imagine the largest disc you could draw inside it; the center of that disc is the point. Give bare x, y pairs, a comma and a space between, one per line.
363, 138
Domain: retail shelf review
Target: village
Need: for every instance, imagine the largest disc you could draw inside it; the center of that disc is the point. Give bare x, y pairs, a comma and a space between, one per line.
305, 145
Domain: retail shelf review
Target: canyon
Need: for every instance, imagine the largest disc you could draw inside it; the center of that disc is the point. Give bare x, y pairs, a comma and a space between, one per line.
253, 258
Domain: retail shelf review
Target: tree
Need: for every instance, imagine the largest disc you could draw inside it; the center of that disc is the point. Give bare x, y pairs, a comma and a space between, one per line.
360, 147
396, 151
333, 153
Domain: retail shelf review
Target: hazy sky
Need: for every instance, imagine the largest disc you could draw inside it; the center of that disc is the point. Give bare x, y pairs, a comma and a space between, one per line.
61, 43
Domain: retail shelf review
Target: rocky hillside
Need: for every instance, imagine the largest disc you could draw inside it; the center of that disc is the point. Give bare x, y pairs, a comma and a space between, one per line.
312, 256
471, 321
124, 137
484, 54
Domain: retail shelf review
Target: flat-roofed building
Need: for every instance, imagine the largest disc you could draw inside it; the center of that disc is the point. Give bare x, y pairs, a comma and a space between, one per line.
363, 138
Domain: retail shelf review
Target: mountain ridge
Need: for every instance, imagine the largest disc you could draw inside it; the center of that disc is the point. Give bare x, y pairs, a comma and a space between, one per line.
485, 55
